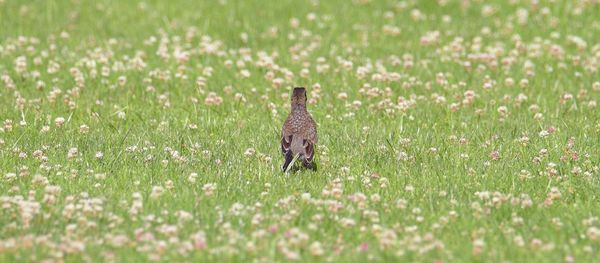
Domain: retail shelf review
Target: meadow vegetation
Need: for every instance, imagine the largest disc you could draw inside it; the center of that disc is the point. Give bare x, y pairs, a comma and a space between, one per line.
449, 131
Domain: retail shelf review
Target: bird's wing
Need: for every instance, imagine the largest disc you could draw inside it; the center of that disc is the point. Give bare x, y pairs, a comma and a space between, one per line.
311, 132
286, 139
286, 142
309, 151
310, 140
289, 159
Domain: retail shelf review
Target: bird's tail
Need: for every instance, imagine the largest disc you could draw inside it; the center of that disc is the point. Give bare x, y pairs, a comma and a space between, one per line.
289, 161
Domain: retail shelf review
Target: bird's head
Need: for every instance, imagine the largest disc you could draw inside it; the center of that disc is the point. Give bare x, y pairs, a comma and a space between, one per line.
299, 97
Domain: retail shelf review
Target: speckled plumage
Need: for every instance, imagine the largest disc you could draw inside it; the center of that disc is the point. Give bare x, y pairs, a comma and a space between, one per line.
299, 132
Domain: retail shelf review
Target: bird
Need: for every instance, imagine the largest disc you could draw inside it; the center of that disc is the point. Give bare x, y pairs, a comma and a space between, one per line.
299, 133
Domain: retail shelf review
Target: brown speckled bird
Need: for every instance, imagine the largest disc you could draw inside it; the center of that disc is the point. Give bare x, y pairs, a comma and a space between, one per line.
299, 132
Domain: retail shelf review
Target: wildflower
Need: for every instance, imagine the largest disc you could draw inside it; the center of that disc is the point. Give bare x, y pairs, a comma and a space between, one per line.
59, 121
169, 185
316, 249
157, 191
192, 178
478, 245
593, 233
249, 152
495, 155
363, 247
503, 111
199, 240
10, 177
245, 73
73, 153
83, 129
213, 100
401, 203
375, 198
122, 81
209, 189
524, 83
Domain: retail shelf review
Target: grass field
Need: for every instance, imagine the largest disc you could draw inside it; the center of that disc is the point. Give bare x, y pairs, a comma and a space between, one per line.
449, 131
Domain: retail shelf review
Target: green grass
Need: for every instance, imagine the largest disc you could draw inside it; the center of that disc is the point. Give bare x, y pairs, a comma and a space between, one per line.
381, 149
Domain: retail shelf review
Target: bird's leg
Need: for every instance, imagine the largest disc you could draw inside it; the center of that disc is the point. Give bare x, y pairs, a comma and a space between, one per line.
289, 161
310, 165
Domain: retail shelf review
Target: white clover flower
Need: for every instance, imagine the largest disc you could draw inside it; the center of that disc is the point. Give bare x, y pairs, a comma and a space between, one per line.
59, 121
